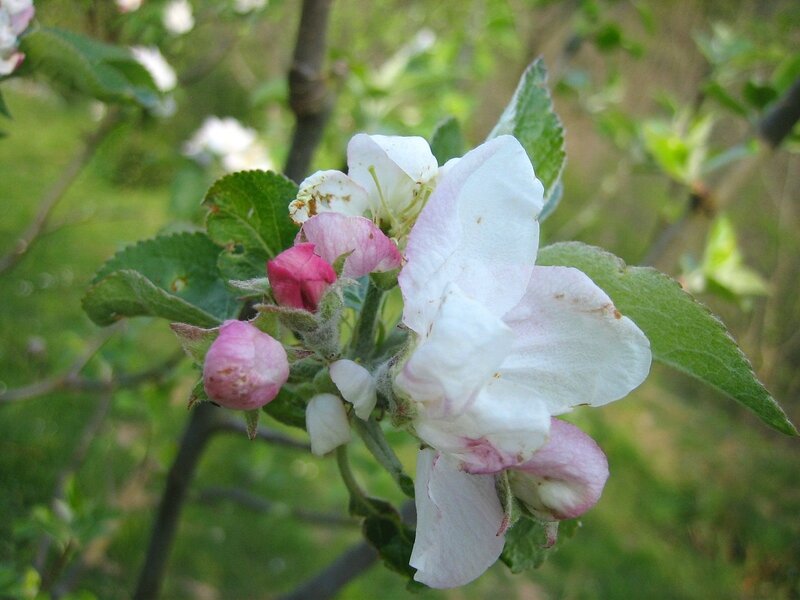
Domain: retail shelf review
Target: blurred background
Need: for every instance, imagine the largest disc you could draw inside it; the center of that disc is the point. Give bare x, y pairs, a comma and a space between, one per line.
660, 102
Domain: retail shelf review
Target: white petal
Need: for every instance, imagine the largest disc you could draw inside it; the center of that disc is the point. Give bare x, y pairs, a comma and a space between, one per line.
503, 427
565, 478
356, 385
400, 164
572, 346
457, 357
478, 230
329, 191
335, 234
458, 519
326, 422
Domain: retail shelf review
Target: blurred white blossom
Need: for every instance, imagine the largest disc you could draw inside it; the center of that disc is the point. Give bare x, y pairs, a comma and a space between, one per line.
246, 6
178, 17
160, 70
15, 15
128, 5
235, 145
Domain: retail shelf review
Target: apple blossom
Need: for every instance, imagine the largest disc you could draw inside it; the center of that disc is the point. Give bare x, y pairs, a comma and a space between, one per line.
246, 6
128, 5
236, 146
160, 70
244, 368
326, 422
178, 17
500, 345
389, 179
15, 16
299, 277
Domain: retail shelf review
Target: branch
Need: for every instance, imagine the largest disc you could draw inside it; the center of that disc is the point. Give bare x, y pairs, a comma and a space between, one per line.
782, 117
202, 424
262, 433
213, 495
309, 97
57, 191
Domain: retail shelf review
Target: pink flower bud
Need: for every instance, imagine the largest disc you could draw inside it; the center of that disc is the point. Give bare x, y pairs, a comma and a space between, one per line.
244, 368
565, 478
299, 277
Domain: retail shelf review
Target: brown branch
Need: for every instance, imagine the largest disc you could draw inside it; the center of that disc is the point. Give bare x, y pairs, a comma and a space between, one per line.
782, 117
57, 191
309, 96
213, 495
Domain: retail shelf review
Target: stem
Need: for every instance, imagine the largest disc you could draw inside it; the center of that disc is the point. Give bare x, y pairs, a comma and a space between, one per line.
343, 462
363, 343
57, 191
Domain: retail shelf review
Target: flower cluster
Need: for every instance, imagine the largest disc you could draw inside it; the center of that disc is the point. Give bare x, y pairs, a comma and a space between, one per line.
15, 15
496, 347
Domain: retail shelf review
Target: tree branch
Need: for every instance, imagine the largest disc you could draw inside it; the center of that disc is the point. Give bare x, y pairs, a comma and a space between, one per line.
309, 96
782, 117
203, 422
57, 191
213, 495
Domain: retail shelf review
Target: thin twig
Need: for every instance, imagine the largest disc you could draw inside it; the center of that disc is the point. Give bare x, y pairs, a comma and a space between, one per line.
71, 381
213, 495
309, 96
57, 191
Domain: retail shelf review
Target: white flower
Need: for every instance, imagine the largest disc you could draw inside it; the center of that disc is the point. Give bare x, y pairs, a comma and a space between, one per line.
388, 180
500, 345
178, 17
160, 70
246, 6
15, 15
128, 5
326, 422
235, 145
356, 385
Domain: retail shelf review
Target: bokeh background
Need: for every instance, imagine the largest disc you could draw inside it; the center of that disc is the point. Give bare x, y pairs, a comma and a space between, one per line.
660, 102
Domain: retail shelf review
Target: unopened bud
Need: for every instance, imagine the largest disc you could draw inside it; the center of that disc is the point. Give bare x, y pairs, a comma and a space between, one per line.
299, 277
565, 478
327, 424
244, 367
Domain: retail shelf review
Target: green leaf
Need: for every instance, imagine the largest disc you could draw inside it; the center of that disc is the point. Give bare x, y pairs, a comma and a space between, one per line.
530, 118
375, 441
250, 218
287, 408
528, 543
251, 420
385, 530
447, 140
195, 341
174, 277
683, 333
105, 72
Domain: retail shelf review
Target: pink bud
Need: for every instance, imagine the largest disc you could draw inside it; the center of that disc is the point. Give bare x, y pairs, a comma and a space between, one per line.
565, 478
244, 367
299, 277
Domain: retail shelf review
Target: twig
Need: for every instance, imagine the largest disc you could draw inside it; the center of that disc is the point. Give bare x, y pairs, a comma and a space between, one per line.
782, 117
212, 495
57, 191
72, 382
309, 97
262, 433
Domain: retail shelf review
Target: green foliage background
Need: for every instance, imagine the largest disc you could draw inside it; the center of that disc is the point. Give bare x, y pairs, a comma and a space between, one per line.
702, 501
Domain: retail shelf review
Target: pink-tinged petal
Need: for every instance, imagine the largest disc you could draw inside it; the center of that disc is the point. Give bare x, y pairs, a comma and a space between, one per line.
502, 428
464, 346
329, 191
21, 19
356, 385
400, 164
327, 424
565, 478
299, 277
478, 230
335, 234
244, 367
10, 64
458, 517
572, 346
